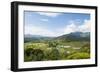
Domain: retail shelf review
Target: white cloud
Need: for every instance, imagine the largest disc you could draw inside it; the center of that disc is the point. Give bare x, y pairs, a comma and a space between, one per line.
34, 30
49, 14
37, 30
70, 28
85, 27
45, 20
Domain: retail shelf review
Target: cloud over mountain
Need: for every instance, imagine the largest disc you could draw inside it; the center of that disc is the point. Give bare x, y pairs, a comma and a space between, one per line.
85, 27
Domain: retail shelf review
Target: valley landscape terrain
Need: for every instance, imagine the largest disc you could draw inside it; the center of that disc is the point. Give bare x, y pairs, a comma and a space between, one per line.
72, 46
50, 36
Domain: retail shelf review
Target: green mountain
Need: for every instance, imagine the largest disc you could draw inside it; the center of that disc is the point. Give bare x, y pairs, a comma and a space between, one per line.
35, 38
74, 36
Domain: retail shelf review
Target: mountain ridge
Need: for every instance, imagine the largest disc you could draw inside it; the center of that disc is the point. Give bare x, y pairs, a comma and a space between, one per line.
74, 36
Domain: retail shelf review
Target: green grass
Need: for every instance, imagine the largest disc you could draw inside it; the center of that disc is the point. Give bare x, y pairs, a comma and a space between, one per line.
79, 56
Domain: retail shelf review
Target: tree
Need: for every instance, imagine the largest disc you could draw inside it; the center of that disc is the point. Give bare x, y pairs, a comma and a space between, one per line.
33, 54
28, 54
53, 44
28, 51
38, 55
54, 55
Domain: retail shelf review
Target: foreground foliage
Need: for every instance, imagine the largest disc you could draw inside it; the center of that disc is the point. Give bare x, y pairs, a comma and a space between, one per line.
56, 50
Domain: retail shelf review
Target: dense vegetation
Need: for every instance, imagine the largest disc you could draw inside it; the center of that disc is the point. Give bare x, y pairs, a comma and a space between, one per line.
56, 50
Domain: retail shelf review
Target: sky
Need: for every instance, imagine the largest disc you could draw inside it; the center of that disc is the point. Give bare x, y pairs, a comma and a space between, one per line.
55, 24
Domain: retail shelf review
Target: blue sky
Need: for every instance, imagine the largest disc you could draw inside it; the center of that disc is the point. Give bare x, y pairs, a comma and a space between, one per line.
55, 24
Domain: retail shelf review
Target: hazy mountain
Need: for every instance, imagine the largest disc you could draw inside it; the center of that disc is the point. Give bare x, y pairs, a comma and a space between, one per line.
29, 37
74, 36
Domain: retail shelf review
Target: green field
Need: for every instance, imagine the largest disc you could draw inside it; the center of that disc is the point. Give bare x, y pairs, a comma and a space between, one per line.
56, 50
